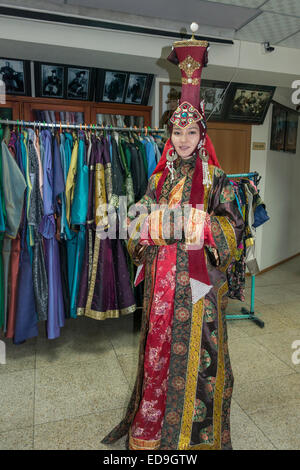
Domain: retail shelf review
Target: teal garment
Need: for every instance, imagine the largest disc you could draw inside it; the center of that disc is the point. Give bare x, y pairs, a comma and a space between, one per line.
80, 200
66, 147
23, 141
67, 141
79, 254
78, 217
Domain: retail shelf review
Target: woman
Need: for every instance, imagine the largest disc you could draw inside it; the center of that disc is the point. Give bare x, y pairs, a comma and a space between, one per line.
182, 394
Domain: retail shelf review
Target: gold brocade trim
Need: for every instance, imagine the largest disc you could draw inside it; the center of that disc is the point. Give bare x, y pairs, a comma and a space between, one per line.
141, 444
157, 178
207, 191
187, 420
176, 193
94, 274
189, 66
108, 180
90, 247
190, 81
101, 218
190, 42
191, 376
229, 233
96, 315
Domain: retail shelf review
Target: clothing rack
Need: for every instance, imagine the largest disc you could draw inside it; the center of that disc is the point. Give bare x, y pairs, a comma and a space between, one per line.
59, 125
246, 314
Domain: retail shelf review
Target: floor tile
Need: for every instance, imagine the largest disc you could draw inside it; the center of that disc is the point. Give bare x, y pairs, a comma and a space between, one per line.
281, 425
251, 361
17, 439
82, 433
273, 321
253, 396
121, 333
79, 342
19, 357
280, 344
68, 391
245, 435
17, 400
129, 364
277, 277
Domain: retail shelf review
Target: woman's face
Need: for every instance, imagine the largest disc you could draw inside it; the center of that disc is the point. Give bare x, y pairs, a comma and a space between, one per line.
185, 140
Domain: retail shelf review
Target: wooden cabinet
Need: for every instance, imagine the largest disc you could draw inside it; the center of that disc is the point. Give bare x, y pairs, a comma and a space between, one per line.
122, 114
10, 109
232, 142
86, 112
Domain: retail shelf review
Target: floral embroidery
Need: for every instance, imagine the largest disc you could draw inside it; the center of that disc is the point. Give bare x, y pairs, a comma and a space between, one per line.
199, 411
227, 194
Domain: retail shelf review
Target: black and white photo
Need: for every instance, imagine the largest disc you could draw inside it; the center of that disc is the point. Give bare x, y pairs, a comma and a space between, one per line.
52, 81
135, 89
114, 86
15, 75
78, 83
213, 95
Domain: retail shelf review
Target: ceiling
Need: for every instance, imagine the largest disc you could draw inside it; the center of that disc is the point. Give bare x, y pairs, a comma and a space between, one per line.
275, 21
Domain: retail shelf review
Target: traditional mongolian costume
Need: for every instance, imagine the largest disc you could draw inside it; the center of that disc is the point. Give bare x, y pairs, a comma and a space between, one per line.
182, 395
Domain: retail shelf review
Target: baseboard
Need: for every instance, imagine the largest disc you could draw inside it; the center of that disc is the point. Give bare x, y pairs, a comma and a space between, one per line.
277, 264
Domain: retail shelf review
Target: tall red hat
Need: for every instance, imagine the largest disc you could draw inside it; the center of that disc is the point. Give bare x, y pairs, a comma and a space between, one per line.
190, 56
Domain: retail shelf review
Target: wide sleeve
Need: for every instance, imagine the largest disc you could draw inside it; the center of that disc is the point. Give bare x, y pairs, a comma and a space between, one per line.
226, 220
136, 218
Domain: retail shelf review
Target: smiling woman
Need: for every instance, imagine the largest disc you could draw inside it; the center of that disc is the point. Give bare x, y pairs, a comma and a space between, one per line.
181, 399
185, 140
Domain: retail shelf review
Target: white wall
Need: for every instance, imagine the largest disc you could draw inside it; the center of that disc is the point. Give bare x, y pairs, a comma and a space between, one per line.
280, 237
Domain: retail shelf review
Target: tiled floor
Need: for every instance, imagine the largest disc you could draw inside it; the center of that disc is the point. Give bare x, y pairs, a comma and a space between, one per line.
68, 393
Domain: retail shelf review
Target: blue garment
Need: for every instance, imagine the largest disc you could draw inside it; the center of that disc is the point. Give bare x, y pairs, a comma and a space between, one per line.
56, 314
26, 317
150, 154
260, 216
78, 217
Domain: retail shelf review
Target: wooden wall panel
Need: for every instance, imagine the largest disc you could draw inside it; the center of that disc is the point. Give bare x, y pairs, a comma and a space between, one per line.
232, 143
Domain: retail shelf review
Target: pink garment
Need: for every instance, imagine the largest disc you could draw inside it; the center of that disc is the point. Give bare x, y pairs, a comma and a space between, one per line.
148, 421
41, 174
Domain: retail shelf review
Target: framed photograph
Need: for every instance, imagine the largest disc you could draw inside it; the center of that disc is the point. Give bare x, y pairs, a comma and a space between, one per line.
248, 103
16, 76
111, 86
138, 88
49, 80
169, 95
79, 83
213, 94
278, 131
291, 131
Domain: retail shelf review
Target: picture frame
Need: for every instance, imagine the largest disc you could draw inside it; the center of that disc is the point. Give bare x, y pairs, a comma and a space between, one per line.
291, 133
111, 86
169, 94
248, 103
138, 88
115, 86
50, 80
79, 83
15, 73
278, 130
214, 94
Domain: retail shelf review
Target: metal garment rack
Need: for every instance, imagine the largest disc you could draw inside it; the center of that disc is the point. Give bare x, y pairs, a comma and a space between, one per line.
248, 314
83, 127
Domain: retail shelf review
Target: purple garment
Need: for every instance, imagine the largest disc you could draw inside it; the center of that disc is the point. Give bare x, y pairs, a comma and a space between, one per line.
111, 294
58, 176
56, 314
